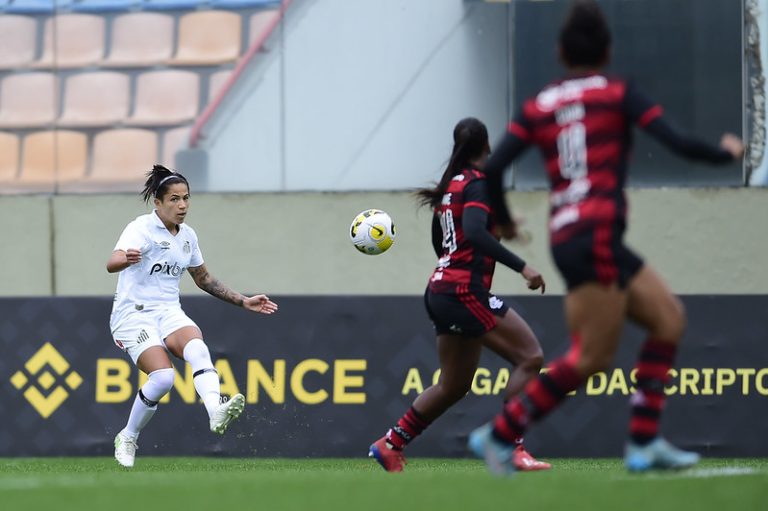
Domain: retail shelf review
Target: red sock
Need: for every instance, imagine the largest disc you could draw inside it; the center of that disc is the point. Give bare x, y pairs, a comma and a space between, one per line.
653, 365
540, 397
407, 428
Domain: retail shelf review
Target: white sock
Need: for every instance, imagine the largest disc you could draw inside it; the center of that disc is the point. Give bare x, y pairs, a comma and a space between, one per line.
205, 376
145, 404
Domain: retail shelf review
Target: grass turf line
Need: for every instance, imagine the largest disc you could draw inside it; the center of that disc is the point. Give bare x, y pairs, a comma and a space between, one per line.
86, 484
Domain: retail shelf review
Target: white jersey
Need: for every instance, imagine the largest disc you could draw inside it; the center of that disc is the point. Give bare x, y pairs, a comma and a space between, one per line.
153, 282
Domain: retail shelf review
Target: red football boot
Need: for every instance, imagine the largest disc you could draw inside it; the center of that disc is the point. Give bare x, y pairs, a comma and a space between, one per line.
391, 459
525, 462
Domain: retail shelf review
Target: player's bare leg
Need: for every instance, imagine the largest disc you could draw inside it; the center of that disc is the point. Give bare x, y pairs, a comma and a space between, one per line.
595, 339
515, 342
459, 357
653, 306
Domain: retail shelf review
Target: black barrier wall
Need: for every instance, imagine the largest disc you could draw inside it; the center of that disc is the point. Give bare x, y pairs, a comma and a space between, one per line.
327, 375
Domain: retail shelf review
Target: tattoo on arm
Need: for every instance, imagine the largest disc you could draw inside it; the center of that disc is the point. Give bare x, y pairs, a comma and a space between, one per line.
214, 286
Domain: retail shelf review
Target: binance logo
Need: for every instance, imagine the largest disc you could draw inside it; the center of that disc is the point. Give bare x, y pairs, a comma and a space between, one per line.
43, 379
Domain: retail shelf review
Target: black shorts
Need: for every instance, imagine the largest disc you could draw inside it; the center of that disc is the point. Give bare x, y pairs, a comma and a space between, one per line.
597, 254
470, 313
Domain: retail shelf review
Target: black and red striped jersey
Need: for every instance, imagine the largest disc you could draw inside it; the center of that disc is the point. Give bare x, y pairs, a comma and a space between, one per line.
460, 263
583, 127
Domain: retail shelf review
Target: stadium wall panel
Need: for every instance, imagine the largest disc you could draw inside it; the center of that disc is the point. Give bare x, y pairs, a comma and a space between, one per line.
329, 374
705, 241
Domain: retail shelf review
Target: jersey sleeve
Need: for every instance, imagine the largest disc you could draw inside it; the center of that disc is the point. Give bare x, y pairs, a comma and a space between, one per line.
517, 139
132, 237
474, 222
476, 195
197, 255
639, 108
650, 116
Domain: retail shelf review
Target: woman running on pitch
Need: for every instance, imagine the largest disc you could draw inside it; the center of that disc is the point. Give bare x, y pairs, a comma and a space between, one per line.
147, 321
582, 125
465, 314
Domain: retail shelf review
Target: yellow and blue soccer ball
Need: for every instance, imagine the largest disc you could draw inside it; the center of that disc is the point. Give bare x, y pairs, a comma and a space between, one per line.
372, 232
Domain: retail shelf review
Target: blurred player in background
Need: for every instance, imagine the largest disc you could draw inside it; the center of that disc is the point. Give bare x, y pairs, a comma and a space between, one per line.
459, 302
582, 125
147, 321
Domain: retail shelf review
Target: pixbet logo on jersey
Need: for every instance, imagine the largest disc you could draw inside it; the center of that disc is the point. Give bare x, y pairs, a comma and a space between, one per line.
166, 268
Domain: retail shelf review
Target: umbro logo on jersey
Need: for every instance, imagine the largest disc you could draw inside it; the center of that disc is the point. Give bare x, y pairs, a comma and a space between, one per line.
166, 268
164, 245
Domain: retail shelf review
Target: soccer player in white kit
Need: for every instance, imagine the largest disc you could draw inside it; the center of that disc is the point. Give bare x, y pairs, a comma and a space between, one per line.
147, 321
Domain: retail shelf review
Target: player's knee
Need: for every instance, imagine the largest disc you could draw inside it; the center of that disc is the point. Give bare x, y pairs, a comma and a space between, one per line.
162, 379
680, 319
533, 362
674, 321
197, 354
457, 389
589, 364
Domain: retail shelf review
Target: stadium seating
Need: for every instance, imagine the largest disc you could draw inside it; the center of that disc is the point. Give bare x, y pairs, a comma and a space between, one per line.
104, 6
18, 40
260, 22
79, 41
53, 156
130, 46
173, 140
114, 57
36, 6
172, 5
208, 38
120, 159
165, 97
28, 100
243, 4
216, 82
9, 157
98, 98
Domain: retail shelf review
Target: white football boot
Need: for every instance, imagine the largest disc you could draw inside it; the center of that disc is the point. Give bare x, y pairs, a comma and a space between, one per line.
125, 450
226, 413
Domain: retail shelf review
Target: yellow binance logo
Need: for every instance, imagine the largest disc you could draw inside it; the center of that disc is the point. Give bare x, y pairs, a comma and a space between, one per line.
47, 355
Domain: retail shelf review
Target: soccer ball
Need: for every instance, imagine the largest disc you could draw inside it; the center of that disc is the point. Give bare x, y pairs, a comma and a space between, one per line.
372, 232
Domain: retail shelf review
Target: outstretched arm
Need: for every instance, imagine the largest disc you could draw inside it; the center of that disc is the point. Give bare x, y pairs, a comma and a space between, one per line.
474, 221
730, 147
214, 287
514, 143
650, 117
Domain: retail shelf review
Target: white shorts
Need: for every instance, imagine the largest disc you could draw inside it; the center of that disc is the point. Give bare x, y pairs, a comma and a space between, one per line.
141, 330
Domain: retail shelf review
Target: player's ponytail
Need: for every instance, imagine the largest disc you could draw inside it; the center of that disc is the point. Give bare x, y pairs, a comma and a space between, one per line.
158, 181
470, 139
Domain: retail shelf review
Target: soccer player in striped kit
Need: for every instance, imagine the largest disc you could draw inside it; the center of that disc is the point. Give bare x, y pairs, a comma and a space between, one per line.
147, 321
582, 126
458, 300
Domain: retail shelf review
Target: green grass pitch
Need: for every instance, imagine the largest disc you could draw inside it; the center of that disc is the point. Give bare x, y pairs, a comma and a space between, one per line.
186, 484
